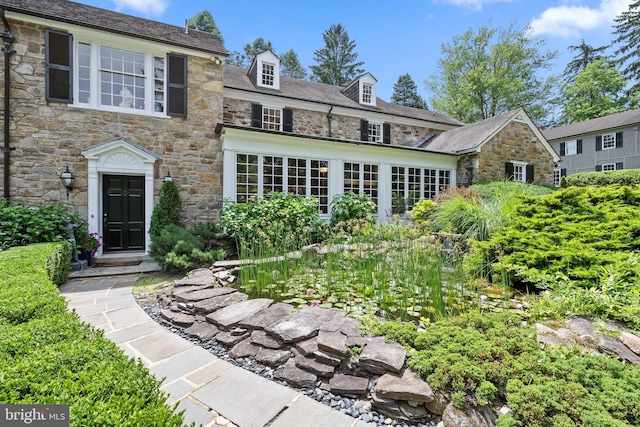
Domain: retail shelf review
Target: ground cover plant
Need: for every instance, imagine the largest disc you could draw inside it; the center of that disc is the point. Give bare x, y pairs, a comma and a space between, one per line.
580, 246
476, 359
48, 356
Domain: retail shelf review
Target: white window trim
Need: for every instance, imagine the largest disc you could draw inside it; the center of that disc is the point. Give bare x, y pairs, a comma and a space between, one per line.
574, 142
380, 135
95, 43
557, 173
422, 169
607, 165
273, 107
523, 165
612, 141
361, 92
276, 71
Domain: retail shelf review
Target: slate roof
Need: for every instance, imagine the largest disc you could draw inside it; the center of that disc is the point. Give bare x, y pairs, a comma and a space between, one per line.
470, 136
613, 121
237, 78
113, 22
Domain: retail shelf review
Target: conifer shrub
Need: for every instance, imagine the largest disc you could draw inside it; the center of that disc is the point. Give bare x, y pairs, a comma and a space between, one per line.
168, 209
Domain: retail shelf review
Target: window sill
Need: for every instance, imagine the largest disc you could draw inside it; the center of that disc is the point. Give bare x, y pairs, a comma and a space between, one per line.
118, 110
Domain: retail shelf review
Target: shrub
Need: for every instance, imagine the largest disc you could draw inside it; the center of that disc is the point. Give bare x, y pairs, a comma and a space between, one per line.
492, 358
168, 209
48, 355
180, 248
21, 224
351, 207
423, 211
273, 224
629, 177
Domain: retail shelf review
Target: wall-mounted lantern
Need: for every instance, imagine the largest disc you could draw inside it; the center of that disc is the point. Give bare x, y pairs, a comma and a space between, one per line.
67, 177
168, 177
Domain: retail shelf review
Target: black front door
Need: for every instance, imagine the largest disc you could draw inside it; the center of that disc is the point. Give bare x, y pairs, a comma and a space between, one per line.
123, 216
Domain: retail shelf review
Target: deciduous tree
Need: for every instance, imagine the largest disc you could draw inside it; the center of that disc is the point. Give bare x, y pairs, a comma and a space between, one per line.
490, 71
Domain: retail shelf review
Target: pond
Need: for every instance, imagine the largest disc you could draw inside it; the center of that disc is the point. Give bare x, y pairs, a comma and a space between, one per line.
407, 280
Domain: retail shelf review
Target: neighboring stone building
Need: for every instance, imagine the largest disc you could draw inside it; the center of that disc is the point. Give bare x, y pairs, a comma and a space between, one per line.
602, 144
508, 146
123, 101
120, 101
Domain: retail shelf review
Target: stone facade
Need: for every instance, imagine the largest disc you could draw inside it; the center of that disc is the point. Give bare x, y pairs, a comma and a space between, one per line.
48, 136
516, 142
315, 123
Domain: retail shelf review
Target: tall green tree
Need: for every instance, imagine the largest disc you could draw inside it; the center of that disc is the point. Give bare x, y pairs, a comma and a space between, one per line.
597, 91
586, 54
405, 92
203, 21
490, 71
337, 60
290, 65
627, 28
244, 59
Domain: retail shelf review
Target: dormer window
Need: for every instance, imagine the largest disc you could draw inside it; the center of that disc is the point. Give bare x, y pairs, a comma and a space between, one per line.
265, 70
268, 77
367, 91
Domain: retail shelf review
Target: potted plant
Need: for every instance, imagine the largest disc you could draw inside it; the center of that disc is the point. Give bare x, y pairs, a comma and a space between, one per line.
87, 243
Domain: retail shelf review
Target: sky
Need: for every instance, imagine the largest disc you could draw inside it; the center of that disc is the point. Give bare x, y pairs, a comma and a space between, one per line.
392, 37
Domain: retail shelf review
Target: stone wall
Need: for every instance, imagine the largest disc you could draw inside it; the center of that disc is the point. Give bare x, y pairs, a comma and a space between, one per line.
315, 123
49, 136
514, 142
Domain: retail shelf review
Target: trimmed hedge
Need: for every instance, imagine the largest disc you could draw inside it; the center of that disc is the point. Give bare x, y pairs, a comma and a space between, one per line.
47, 356
630, 177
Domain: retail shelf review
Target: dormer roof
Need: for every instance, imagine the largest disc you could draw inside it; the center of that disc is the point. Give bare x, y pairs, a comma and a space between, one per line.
362, 90
265, 70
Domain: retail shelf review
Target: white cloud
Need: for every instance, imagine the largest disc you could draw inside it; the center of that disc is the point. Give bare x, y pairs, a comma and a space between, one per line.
571, 19
471, 4
148, 7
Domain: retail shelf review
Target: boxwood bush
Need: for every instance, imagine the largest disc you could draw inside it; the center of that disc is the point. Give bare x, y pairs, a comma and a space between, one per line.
47, 356
629, 177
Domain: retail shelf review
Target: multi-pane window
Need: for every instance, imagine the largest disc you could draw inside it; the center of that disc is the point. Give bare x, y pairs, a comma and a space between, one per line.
557, 176
367, 93
375, 132
361, 178
246, 177
608, 166
412, 184
609, 141
268, 74
518, 173
119, 78
122, 78
271, 118
259, 175
571, 147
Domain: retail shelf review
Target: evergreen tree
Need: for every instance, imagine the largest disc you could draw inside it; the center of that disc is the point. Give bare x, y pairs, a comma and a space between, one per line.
585, 56
627, 28
168, 209
290, 65
405, 92
337, 60
203, 21
244, 60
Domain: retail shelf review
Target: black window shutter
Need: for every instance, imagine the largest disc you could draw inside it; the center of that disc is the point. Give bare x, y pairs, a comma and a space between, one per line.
58, 66
599, 143
386, 133
563, 172
619, 140
579, 146
256, 115
529, 171
508, 171
287, 116
364, 130
619, 166
598, 168
177, 83
562, 149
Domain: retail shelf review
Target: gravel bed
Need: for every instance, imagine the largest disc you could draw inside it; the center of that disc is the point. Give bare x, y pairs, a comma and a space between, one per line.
354, 407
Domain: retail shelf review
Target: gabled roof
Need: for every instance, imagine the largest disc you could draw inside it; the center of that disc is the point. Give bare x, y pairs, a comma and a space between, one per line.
470, 138
70, 12
601, 124
236, 78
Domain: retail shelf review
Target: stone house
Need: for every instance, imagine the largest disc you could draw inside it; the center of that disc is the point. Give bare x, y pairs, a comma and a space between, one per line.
118, 100
125, 102
602, 144
508, 146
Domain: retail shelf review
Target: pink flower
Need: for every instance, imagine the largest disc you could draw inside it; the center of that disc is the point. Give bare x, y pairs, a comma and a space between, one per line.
314, 304
309, 293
